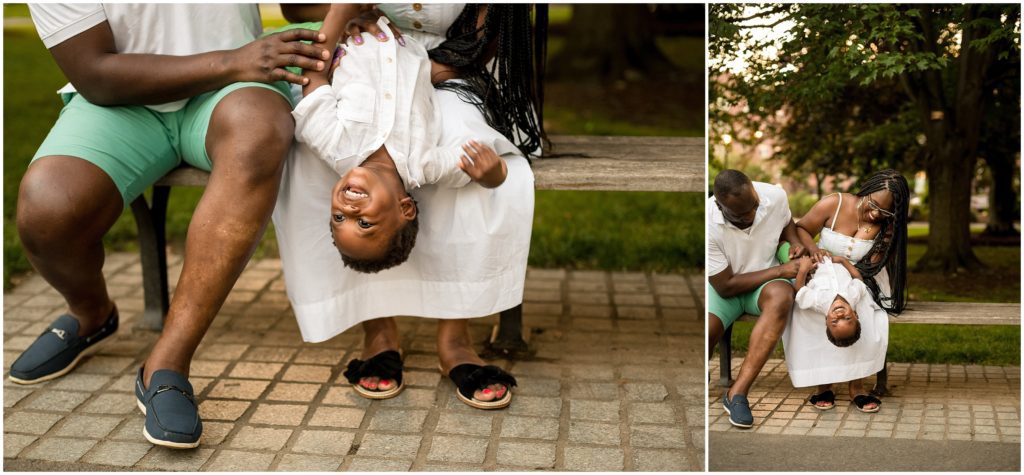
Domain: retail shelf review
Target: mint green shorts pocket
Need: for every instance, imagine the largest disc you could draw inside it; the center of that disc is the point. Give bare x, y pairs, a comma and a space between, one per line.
135, 145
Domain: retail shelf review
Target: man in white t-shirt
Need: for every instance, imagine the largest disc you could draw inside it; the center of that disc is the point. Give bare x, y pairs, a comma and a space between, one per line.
152, 85
746, 222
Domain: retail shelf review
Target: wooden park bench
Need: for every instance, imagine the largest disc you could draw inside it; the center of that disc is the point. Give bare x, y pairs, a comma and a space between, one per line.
930, 313
574, 163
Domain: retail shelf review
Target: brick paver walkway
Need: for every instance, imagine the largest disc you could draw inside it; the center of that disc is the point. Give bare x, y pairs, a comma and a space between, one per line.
616, 383
929, 402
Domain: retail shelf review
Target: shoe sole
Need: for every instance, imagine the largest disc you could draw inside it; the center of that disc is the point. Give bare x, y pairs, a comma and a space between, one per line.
737, 424
371, 394
163, 443
67, 369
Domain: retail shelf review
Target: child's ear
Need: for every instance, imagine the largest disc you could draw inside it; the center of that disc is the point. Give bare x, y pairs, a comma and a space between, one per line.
408, 208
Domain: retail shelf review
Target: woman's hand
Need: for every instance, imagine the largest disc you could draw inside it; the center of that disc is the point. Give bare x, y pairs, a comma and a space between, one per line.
819, 255
483, 165
263, 60
366, 21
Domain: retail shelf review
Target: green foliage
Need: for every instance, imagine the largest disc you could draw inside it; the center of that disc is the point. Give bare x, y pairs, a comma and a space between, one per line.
800, 202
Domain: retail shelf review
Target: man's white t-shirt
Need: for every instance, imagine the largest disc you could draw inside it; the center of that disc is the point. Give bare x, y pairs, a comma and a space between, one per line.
751, 249
152, 28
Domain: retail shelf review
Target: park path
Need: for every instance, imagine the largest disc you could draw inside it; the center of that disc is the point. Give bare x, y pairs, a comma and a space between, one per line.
933, 409
616, 383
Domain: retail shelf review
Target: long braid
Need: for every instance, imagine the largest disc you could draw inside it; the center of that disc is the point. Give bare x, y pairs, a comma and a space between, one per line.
891, 243
510, 91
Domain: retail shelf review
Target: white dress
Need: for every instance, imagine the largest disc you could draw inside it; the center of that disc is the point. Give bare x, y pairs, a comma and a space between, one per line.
810, 357
471, 250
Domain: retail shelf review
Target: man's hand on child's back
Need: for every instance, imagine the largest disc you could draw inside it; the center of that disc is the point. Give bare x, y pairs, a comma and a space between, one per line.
483, 165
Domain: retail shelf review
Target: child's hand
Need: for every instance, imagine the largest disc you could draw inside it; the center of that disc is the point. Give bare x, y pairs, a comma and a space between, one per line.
483, 165
806, 264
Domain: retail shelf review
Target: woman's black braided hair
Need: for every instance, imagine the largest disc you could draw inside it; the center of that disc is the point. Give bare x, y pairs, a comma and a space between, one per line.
509, 89
891, 242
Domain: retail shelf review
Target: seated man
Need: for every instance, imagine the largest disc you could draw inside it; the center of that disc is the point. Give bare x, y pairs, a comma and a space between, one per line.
746, 221
153, 85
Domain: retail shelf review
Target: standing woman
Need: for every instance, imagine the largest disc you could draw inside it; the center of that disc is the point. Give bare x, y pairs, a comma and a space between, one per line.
869, 229
473, 243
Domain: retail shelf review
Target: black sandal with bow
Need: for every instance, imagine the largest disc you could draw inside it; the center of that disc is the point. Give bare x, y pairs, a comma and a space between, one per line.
384, 365
469, 378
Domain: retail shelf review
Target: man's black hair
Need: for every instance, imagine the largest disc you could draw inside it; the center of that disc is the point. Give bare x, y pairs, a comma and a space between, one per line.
844, 342
398, 251
730, 182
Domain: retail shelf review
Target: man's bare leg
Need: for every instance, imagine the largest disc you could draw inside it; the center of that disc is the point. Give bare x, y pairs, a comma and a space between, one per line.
715, 332
65, 206
455, 347
775, 301
247, 141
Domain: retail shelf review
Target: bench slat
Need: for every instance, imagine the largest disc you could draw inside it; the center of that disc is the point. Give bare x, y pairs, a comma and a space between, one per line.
587, 163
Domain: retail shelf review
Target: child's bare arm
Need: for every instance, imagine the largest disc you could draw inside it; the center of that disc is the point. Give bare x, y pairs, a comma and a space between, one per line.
333, 29
483, 165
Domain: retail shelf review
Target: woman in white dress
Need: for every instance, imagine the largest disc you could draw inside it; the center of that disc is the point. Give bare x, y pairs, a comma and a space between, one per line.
473, 242
869, 229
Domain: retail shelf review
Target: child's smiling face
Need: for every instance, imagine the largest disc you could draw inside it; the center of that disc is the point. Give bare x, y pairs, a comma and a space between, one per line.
365, 214
841, 318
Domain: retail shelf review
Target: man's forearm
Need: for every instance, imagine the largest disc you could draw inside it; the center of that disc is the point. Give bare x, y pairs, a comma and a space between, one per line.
790, 235
743, 283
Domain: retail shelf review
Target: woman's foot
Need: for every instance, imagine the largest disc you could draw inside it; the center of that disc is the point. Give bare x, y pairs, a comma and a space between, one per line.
379, 335
870, 403
825, 399
455, 347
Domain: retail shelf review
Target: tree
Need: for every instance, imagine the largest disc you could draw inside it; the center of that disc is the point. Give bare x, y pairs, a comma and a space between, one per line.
927, 71
610, 42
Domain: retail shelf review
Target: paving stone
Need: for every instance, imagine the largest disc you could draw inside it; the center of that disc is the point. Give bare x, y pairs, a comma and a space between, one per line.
246, 389
80, 382
526, 454
445, 448
299, 392
36, 423
208, 369
667, 437
409, 397
594, 410
360, 464
218, 409
260, 438
647, 460
260, 370
15, 443
275, 354
660, 413
645, 391
308, 463
279, 414
238, 461
215, 432
589, 459
323, 442
344, 396
221, 351
13, 395
59, 449
337, 417
111, 403
422, 378
529, 428
105, 365
59, 401
120, 454
536, 406
588, 390
386, 445
594, 433
307, 373
398, 420
88, 426
464, 424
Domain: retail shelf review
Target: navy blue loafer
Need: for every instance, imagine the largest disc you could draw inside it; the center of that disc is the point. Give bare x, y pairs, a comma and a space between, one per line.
58, 350
738, 410
172, 414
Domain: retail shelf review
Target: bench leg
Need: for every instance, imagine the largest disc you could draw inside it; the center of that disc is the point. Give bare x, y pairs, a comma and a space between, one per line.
882, 381
725, 358
508, 340
150, 220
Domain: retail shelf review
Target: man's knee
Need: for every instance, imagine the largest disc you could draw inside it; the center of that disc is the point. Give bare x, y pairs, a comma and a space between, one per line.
776, 298
254, 126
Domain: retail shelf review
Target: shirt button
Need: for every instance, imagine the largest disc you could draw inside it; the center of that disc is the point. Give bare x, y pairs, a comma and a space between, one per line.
417, 6
416, 24
388, 60
387, 96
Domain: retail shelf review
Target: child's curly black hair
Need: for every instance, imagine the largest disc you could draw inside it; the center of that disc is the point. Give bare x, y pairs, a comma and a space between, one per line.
398, 251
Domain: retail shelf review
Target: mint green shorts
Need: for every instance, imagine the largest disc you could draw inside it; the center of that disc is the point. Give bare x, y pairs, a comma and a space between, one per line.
135, 145
728, 310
